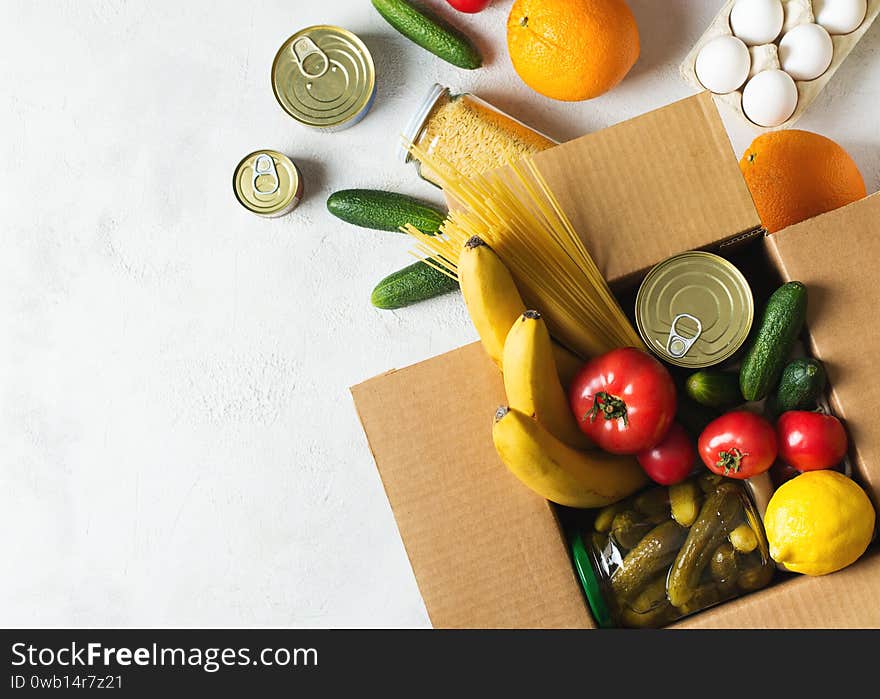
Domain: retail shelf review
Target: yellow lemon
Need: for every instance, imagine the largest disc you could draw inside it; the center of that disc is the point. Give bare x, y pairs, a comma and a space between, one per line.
819, 522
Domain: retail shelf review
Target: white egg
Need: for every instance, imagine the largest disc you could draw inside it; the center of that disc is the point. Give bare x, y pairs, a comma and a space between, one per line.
840, 16
806, 51
723, 64
757, 21
770, 98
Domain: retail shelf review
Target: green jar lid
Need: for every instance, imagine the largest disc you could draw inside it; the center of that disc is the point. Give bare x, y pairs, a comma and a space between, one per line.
584, 566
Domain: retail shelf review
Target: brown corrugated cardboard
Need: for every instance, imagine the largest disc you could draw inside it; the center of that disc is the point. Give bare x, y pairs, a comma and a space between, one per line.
651, 187
836, 256
486, 552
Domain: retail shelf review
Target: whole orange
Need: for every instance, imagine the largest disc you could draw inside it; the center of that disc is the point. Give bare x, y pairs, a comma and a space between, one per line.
572, 49
794, 175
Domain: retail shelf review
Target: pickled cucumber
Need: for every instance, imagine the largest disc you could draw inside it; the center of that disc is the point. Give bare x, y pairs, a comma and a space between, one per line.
743, 538
755, 573
724, 566
654, 504
653, 595
660, 615
629, 527
656, 550
720, 510
706, 595
684, 501
709, 481
605, 516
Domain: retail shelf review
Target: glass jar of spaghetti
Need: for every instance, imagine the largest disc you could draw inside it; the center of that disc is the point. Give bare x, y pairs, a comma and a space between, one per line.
669, 552
468, 133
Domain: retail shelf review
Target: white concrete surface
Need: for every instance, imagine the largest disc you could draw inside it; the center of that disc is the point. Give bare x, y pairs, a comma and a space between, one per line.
177, 441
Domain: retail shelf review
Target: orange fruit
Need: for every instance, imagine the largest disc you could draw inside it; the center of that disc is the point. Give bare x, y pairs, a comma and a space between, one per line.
794, 175
572, 50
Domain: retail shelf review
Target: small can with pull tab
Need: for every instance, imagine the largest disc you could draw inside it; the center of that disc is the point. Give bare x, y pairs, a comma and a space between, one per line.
694, 310
324, 77
267, 183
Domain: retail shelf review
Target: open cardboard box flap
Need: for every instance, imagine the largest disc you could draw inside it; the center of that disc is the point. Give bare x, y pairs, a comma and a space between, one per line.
487, 552
651, 187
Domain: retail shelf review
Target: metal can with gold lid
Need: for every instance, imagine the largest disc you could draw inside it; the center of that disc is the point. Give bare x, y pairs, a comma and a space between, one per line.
267, 183
694, 310
324, 77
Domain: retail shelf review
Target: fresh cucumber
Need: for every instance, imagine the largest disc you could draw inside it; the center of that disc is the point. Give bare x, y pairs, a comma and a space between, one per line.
429, 33
800, 387
384, 211
782, 322
412, 284
714, 389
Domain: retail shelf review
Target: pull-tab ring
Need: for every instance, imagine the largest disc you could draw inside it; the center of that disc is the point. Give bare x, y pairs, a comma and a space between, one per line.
264, 165
305, 47
678, 345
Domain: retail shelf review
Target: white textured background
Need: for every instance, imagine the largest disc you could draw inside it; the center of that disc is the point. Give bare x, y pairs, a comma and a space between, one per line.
177, 441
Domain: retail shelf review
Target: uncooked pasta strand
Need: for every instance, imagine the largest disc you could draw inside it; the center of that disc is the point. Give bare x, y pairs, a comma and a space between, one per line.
517, 214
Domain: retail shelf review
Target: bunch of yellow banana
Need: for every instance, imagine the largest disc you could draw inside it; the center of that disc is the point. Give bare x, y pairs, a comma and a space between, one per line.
536, 435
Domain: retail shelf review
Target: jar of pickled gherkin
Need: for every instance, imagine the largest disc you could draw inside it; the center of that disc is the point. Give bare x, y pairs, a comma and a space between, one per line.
666, 553
468, 133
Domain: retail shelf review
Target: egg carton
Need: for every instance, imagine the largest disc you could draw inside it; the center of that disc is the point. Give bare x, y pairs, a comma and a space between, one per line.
766, 56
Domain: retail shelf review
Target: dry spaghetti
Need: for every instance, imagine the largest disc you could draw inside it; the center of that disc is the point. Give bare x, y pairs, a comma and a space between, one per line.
521, 219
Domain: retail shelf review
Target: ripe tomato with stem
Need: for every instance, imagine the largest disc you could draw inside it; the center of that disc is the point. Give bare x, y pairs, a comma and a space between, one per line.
624, 400
739, 444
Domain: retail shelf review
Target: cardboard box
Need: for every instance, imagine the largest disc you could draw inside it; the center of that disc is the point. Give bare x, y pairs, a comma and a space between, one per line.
485, 550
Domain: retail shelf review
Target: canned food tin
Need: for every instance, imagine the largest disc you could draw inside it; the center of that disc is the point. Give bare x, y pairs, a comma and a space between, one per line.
324, 77
694, 310
267, 183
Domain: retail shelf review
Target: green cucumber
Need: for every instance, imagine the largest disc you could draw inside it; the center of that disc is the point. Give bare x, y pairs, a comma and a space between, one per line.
412, 284
714, 389
800, 387
782, 322
430, 33
384, 211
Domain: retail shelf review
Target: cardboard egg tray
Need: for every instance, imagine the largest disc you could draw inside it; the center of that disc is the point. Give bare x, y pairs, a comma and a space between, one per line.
807, 90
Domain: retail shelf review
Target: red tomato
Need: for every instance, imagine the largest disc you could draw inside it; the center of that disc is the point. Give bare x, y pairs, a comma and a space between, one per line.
469, 5
810, 441
624, 400
738, 444
672, 460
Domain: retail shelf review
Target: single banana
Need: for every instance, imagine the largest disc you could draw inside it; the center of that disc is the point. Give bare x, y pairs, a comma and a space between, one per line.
557, 472
490, 295
494, 303
532, 383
